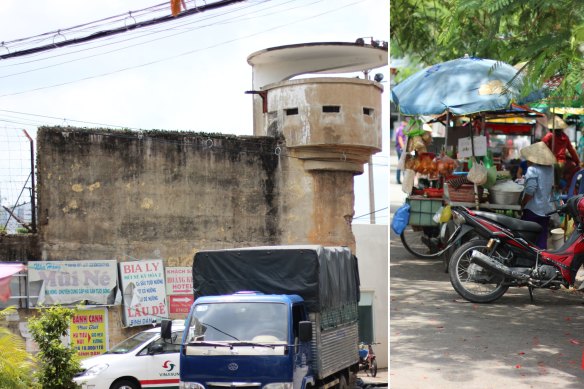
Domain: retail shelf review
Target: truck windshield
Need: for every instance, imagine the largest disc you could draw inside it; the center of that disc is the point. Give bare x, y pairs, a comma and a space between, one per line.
239, 322
131, 343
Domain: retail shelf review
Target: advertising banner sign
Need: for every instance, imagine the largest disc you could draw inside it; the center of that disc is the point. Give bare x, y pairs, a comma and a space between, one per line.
179, 280
67, 282
89, 332
180, 303
144, 292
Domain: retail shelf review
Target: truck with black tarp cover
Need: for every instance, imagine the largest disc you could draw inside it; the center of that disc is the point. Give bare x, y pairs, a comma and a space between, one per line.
276, 317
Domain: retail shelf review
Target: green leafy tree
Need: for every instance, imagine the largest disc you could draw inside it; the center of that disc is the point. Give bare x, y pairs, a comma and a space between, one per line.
415, 28
59, 362
546, 36
16, 364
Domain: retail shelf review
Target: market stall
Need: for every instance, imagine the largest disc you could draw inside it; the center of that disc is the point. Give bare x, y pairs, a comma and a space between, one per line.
435, 180
463, 91
493, 147
423, 181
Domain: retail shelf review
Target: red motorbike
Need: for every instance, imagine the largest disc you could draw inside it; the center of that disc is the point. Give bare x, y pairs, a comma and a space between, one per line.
367, 359
503, 255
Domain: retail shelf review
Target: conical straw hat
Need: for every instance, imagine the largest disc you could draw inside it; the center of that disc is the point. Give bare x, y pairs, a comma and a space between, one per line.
557, 123
538, 153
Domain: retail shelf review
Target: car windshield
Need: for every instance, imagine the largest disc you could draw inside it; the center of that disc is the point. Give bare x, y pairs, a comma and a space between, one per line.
239, 322
131, 343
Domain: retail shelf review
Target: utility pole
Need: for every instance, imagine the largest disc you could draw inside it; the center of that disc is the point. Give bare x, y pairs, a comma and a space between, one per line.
371, 192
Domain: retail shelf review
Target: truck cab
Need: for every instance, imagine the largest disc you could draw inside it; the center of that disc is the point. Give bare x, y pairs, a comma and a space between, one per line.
296, 327
247, 339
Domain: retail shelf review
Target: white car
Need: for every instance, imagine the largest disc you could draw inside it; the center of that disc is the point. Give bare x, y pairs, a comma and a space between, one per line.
143, 361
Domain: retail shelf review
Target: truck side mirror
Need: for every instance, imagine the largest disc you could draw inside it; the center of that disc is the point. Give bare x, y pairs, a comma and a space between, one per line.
305, 331
166, 329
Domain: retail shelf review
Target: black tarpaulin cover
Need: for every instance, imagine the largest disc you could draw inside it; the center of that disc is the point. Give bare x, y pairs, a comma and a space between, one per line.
325, 277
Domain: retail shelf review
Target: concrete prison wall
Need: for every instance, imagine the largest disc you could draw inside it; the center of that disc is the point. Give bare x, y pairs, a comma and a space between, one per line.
125, 195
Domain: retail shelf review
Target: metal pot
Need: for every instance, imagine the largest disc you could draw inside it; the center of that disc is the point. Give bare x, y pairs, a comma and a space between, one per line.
503, 197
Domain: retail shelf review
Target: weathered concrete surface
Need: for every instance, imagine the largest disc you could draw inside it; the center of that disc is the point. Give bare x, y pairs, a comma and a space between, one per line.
312, 125
105, 194
330, 123
18, 247
120, 195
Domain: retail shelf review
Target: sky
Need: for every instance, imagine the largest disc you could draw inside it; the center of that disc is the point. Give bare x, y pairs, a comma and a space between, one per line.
187, 75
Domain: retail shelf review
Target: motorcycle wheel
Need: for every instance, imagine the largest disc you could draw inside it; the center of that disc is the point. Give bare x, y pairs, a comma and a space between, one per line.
462, 272
373, 369
449, 253
446, 255
415, 239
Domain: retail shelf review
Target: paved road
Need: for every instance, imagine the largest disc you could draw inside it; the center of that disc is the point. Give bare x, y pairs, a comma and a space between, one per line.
440, 341
380, 380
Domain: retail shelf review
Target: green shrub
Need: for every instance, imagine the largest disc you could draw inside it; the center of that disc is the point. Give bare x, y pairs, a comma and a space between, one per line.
16, 365
59, 362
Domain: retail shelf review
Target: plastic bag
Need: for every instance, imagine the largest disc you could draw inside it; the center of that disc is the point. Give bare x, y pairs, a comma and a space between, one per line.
477, 173
491, 177
446, 214
569, 227
437, 214
401, 164
408, 181
401, 218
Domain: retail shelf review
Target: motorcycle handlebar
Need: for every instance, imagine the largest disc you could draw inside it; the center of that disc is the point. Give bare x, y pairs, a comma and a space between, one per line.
561, 210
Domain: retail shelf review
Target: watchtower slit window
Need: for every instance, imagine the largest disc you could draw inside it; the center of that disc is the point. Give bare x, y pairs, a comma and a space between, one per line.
331, 108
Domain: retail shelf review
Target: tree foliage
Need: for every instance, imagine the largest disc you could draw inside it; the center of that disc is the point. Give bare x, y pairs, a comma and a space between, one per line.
59, 362
15, 363
546, 36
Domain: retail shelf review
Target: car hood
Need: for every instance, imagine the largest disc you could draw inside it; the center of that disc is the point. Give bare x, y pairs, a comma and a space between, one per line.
104, 358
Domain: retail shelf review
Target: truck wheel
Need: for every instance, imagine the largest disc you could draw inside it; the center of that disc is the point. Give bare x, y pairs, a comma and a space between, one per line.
343, 384
125, 384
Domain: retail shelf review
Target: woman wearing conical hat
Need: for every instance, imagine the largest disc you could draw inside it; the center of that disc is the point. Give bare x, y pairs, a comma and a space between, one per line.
537, 199
566, 155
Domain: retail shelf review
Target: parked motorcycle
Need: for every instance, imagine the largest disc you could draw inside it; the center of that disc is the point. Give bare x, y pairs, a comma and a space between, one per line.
453, 235
367, 359
504, 255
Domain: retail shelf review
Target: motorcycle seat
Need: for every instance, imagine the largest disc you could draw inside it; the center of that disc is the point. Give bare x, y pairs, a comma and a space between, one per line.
512, 223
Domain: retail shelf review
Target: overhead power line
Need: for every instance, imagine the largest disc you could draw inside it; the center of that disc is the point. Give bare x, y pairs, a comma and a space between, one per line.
367, 214
107, 33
